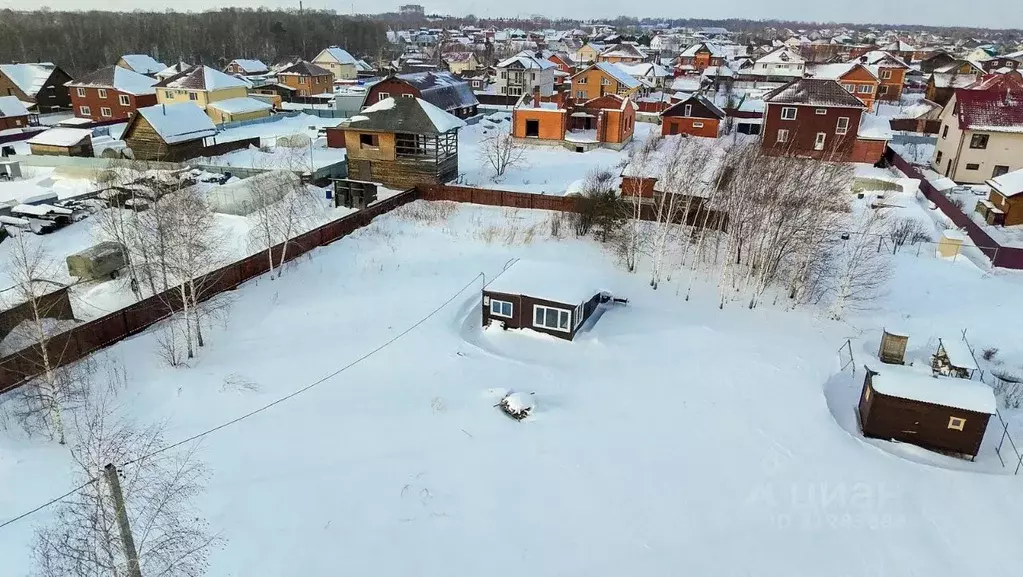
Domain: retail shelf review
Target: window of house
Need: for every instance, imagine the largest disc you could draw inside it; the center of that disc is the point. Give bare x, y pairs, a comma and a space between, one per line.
193, 96
581, 80
944, 131
697, 125
605, 82
956, 423
532, 76
883, 90
81, 92
551, 318
504, 89
820, 111
999, 170
788, 113
504, 74
577, 315
937, 159
301, 79
105, 112
886, 75
688, 111
124, 100
368, 140
102, 92
849, 87
84, 111
580, 94
972, 166
865, 89
842, 126
500, 308
383, 96
408, 95
783, 135
978, 141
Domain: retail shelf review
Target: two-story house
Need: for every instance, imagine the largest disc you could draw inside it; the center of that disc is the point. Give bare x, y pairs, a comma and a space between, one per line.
306, 79
981, 135
223, 97
621, 54
860, 80
600, 79
462, 62
780, 65
524, 73
699, 57
588, 53
141, 63
891, 72
40, 84
341, 64
1003, 62
111, 93
247, 67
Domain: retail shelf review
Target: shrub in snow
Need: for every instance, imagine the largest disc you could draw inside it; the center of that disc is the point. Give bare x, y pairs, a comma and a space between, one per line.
517, 405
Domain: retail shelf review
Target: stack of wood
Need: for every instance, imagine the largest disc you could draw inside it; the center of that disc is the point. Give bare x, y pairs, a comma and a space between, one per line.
517, 405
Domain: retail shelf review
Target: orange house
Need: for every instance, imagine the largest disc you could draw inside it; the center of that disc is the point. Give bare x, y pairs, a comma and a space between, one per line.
600, 79
539, 120
695, 116
856, 78
891, 73
606, 121
624, 53
306, 78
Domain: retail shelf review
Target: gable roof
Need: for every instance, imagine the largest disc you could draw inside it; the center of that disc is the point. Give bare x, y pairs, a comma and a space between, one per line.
883, 58
30, 78
10, 106
116, 78
714, 49
458, 56
412, 115
442, 89
143, 63
527, 61
779, 55
173, 69
202, 78
623, 51
339, 54
645, 70
1009, 184
992, 81
250, 66
700, 99
840, 69
944, 80
304, 68
813, 92
614, 71
990, 110
175, 123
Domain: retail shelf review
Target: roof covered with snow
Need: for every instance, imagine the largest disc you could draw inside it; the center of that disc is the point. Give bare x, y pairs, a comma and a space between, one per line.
304, 68
239, 105
714, 50
616, 72
177, 123
251, 66
838, 70
11, 106
143, 63
546, 280
411, 115
340, 55
173, 69
1009, 184
779, 56
883, 58
946, 80
874, 127
623, 51
645, 70
990, 110
30, 78
907, 383
813, 92
526, 61
442, 89
117, 78
61, 137
202, 78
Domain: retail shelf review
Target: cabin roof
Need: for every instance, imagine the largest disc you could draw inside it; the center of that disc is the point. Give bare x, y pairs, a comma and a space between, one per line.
907, 383
548, 281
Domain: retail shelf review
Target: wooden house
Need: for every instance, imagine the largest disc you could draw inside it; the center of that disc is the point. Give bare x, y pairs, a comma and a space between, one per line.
547, 298
39, 85
953, 359
111, 93
204, 87
588, 53
341, 64
699, 57
168, 132
942, 414
602, 78
62, 142
402, 142
441, 89
1004, 204
13, 113
306, 79
891, 72
141, 64
858, 79
695, 116
621, 53
246, 67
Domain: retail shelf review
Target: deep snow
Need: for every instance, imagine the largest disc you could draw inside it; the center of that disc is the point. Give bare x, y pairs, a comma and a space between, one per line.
670, 438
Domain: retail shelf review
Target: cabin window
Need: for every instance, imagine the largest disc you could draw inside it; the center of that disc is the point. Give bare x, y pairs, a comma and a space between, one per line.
383, 96
788, 113
849, 87
697, 125
956, 423
944, 131
865, 89
577, 315
783, 135
124, 100
102, 92
581, 80
842, 127
972, 166
979, 141
84, 111
301, 79
886, 75
368, 141
551, 318
688, 110
81, 93
105, 112
193, 96
500, 308
820, 111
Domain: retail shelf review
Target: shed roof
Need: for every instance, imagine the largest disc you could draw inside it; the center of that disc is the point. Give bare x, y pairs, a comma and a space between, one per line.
548, 281
30, 78
116, 78
176, 123
909, 384
813, 92
1009, 184
61, 137
11, 106
442, 89
412, 115
143, 63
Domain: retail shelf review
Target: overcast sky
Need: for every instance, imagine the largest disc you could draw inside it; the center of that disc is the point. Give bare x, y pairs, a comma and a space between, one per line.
990, 13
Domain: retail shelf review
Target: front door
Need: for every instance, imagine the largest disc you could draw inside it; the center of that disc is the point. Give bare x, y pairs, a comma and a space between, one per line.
818, 144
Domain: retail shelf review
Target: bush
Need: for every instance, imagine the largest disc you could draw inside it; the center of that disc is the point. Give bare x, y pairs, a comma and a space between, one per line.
989, 353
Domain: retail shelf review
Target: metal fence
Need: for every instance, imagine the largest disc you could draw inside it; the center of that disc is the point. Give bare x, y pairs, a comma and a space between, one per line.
1001, 449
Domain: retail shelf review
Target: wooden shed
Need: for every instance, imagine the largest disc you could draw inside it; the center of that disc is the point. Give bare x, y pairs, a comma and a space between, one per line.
893, 347
62, 142
544, 297
168, 132
938, 413
953, 359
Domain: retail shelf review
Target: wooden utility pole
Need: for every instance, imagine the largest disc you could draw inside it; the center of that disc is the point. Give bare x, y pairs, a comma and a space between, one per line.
127, 540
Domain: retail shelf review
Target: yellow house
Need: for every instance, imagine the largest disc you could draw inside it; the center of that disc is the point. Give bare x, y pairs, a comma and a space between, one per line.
225, 98
600, 79
981, 136
588, 53
341, 64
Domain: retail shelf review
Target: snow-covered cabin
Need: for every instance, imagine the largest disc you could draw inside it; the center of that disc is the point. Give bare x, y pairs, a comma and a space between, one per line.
168, 132
62, 142
13, 113
943, 414
545, 297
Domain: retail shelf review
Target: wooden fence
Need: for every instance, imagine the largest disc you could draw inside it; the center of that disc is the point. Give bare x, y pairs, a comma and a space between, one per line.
1000, 255
84, 339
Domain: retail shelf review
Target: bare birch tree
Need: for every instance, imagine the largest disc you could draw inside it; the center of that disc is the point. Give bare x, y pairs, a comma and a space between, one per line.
501, 151
282, 209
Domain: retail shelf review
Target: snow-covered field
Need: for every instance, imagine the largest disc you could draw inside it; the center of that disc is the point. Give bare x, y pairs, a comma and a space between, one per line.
668, 437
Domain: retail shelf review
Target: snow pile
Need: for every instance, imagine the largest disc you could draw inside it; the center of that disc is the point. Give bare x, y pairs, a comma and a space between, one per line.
517, 405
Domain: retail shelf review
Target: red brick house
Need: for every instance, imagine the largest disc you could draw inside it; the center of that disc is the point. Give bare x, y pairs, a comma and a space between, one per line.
817, 118
441, 89
699, 57
111, 93
564, 62
695, 116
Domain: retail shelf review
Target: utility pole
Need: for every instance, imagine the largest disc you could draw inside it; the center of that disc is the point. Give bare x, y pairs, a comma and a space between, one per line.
127, 541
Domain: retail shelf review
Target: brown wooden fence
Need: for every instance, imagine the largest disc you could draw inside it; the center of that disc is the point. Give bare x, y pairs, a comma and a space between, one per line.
74, 344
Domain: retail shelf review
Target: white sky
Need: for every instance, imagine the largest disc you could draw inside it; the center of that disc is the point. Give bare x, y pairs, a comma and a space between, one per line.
991, 13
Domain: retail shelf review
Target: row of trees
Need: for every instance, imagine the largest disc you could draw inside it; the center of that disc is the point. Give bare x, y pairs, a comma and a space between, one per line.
84, 41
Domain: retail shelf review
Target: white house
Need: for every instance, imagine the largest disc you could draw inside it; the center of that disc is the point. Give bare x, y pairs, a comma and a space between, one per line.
341, 64
523, 73
781, 63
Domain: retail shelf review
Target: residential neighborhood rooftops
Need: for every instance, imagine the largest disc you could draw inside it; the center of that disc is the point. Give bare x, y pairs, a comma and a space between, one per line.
1009, 184
616, 72
30, 78
838, 70
527, 61
442, 88
116, 78
304, 68
990, 111
177, 123
61, 137
202, 78
813, 92
11, 106
623, 51
412, 115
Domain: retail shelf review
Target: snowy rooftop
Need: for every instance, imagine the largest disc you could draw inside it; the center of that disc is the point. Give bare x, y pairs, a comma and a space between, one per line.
143, 63
61, 137
117, 78
339, 54
413, 115
813, 92
618, 73
838, 70
958, 354
547, 280
527, 61
874, 128
11, 106
990, 111
781, 56
907, 383
240, 105
30, 77
714, 50
178, 122
203, 78
251, 66
645, 70
1009, 184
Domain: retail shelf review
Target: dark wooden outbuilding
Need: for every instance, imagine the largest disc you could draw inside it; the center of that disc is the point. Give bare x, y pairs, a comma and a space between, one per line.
169, 132
543, 297
942, 414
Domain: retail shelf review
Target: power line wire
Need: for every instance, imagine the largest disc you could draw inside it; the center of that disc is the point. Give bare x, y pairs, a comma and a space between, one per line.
48, 503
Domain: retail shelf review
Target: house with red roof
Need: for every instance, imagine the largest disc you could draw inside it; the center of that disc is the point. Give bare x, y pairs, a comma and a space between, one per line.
981, 134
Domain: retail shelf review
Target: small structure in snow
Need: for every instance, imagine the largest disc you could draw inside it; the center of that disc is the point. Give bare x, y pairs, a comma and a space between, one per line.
246, 196
102, 260
548, 298
937, 413
950, 243
62, 142
893, 347
517, 405
953, 359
